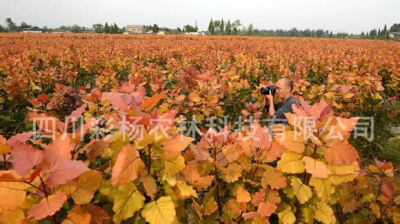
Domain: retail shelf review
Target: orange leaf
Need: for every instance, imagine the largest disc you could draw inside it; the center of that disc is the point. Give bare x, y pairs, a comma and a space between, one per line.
242, 195
98, 214
316, 168
10, 176
77, 215
292, 141
340, 152
266, 209
261, 137
151, 102
273, 178
127, 166
258, 197
177, 144
275, 151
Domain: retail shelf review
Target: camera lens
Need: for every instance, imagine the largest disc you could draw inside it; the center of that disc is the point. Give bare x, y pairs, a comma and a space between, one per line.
266, 90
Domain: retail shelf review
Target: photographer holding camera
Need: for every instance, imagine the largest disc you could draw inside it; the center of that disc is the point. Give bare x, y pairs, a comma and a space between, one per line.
283, 92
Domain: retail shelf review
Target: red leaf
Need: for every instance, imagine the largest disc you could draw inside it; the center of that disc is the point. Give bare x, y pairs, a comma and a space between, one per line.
261, 136
387, 189
74, 116
24, 157
48, 206
119, 101
59, 149
65, 171
19, 138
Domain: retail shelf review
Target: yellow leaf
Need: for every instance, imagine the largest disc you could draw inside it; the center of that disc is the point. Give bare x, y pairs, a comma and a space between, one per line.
193, 96
315, 167
290, 162
128, 201
323, 188
324, 213
337, 180
34, 86
12, 194
303, 192
286, 216
173, 165
343, 173
185, 191
348, 95
111, 191
346, 169
161, 211
210, 206
308, 214
87, 185
377, 96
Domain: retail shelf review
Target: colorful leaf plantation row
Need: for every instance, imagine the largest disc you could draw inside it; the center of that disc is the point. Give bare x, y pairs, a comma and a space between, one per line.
91, 172
164, 177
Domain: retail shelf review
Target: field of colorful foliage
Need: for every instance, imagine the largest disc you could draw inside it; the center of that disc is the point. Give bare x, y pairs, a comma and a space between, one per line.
172, 129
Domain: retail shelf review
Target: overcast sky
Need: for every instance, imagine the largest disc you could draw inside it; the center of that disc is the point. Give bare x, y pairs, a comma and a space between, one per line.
352, 16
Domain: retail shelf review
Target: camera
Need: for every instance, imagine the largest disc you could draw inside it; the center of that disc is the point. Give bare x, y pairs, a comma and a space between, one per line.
267, 89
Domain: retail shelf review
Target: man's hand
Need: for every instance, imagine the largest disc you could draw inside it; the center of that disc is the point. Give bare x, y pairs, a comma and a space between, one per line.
270, 98
270, 101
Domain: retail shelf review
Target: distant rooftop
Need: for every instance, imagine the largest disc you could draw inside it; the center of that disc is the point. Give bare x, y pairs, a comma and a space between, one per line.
134, 26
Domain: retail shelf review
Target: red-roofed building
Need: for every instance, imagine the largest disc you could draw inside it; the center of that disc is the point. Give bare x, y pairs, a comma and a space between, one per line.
134, 28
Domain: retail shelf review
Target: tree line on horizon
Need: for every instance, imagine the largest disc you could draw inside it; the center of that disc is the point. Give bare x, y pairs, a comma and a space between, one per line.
215, 27
219, 27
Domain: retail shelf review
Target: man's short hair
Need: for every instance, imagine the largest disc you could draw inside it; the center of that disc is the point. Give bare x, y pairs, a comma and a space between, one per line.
288, 82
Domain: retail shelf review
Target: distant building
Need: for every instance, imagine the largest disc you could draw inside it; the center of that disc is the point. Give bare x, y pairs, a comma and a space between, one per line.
161, 33
195, 33
60, 31
34, 29
135, 29
394, 34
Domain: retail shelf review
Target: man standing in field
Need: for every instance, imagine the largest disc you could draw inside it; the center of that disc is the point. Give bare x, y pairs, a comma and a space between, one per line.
284, 93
